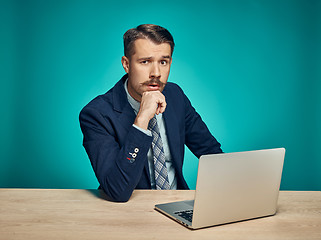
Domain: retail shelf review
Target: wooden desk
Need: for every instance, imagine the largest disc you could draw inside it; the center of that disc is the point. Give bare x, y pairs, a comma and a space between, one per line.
84, 214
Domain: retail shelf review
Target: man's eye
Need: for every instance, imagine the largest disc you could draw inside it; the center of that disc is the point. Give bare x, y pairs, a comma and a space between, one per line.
144, 62
163, 62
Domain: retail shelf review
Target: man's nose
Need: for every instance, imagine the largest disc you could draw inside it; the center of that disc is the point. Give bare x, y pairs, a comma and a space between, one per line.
155, 71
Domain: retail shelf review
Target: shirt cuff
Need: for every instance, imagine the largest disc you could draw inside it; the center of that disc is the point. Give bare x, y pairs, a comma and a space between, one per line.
147, 132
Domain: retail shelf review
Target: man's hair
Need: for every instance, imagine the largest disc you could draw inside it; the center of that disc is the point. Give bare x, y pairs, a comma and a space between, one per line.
155, 33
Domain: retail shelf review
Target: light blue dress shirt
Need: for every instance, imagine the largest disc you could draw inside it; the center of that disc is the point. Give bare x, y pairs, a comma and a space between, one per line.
168, 159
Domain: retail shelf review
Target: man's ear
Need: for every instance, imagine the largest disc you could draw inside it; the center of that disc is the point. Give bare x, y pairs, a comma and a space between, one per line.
125, 63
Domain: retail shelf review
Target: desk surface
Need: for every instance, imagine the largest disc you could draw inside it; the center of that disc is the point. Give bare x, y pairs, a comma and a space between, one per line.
84, 214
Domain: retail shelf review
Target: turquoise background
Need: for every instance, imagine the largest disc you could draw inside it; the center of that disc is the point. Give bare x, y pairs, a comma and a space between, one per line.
251, 69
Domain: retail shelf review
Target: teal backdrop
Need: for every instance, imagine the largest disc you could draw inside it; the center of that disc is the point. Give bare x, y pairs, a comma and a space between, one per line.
251, 68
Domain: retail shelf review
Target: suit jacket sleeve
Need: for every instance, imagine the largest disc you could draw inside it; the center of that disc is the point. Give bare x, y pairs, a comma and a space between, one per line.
117, 169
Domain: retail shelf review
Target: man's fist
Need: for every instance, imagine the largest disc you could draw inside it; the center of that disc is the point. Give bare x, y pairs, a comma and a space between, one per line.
153, 102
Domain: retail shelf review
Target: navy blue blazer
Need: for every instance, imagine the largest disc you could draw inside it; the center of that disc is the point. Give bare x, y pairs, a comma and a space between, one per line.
110, 139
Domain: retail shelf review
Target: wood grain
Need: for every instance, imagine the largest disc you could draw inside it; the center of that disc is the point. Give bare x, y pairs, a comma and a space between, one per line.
85, 214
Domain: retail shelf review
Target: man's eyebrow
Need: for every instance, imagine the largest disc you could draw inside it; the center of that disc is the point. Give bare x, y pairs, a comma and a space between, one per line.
145, 58
149, 58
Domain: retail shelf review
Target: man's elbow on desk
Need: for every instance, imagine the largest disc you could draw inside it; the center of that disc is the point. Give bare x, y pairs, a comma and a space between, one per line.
116, 195
118, 199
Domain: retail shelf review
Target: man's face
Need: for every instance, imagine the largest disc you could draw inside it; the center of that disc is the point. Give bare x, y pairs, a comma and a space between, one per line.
148, 68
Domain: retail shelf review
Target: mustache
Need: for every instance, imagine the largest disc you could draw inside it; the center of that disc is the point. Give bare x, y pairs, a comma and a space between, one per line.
154, 81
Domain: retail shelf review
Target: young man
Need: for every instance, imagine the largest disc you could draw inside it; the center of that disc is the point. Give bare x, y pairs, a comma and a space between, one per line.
135, 134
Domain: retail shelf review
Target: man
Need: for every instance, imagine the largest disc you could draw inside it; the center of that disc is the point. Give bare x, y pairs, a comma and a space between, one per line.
134, 134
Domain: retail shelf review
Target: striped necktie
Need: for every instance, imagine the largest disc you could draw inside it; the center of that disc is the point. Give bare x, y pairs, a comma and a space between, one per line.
161, 176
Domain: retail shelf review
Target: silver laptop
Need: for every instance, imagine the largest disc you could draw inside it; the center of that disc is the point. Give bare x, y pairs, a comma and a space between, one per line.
231, 187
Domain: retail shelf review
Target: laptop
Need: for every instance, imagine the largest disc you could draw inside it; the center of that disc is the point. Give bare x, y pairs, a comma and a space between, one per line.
231, 187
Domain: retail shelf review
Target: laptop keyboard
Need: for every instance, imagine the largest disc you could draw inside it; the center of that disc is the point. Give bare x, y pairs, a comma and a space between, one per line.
187, 214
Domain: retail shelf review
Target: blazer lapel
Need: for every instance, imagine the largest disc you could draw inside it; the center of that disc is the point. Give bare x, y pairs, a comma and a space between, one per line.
121, 105
172, 132
175, 143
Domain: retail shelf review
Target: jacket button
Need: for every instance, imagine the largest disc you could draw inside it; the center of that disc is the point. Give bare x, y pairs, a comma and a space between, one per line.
136, 150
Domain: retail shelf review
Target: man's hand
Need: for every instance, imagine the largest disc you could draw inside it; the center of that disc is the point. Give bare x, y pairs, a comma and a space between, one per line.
153, 102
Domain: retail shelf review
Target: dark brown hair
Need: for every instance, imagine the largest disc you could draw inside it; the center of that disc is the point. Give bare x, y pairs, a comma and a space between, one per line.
155, 33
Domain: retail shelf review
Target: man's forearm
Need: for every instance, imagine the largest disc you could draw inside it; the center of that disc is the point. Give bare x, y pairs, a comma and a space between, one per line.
118, 168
